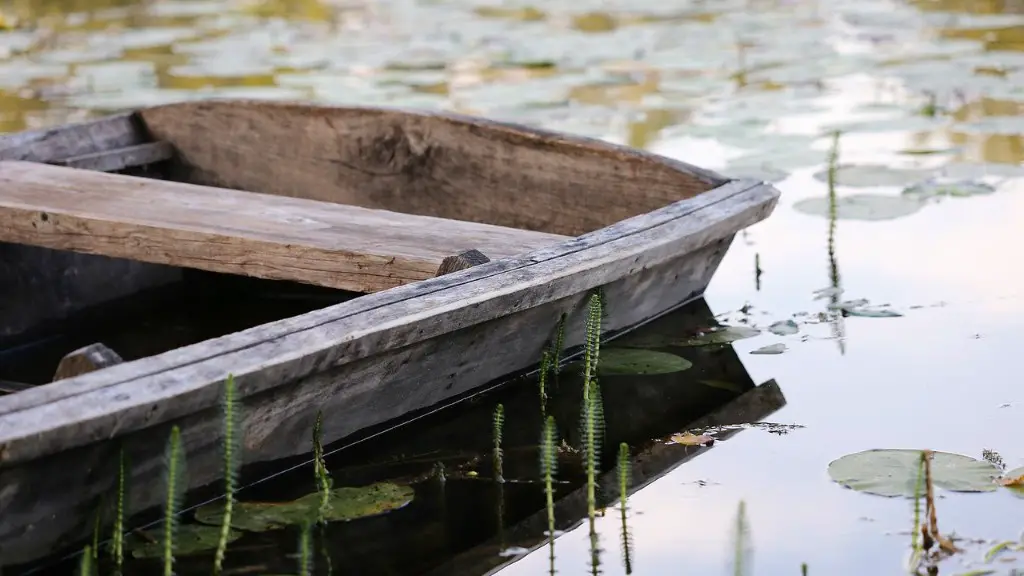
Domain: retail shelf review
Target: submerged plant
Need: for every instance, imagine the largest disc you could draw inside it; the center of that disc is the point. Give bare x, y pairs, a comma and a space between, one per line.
741, 542
498, 422
556, 357
323, 477
545, 366
86, 563
232, 458
623, 470
175, 494
117, 538
548, 466
305, 550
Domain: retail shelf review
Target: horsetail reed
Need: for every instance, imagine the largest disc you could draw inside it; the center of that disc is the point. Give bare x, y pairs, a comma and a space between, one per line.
175, 495
323, 477
305, 550
548, 466
497, 423
624, 474
545, 366
741, 542
86, 563
232, 457
117, 538
559, 346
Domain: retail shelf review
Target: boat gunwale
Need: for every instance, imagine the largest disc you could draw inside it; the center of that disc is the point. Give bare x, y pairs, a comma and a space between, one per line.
23, 416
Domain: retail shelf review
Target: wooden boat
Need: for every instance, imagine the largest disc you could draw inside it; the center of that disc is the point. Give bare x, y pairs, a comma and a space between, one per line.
469, 241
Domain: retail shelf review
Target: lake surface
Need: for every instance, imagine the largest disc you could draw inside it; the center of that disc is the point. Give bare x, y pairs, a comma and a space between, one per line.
929, 218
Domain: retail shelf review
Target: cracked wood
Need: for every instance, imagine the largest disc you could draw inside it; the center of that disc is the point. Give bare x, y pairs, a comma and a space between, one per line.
237, 232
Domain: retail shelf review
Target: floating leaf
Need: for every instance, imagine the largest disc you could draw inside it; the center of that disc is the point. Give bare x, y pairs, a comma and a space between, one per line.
872, 175
628, 361
860, 310
190, 539
862, 206
688, 439
895, 472
720, 335
784, 328
346, 503
777, 348
958, 188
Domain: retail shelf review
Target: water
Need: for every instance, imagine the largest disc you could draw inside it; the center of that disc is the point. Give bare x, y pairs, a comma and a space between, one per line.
921, 90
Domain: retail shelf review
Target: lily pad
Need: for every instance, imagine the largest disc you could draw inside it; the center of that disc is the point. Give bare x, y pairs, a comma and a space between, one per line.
958, 188
720, 335
863, 206
865, 175
636, 361
191, 539
777, 348
346, 503
784, 328
893, 473
1011, 480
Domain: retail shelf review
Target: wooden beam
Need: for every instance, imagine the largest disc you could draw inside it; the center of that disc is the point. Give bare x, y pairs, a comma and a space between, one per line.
467, 259
237, 232
84, 360
121, 158
10, 387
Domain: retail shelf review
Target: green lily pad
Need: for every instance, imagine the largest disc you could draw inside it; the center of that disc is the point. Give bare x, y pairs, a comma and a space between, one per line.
894, 472
636, 361
346, 503
872, 175
777, 348
863, 206
719, 335
191, 539
959, 188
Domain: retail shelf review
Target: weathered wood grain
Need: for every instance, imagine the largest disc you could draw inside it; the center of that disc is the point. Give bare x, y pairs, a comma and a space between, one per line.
9, 387
58, 143
139, 393
223, 230
121, 158
434, 164
86, 359
39, 284
277, 421
467, 259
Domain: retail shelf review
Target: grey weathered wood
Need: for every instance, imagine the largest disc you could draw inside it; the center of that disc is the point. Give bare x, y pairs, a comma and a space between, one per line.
55, 144
86, 359
39, 284
374, 358
120, 158
467, 259
364, 369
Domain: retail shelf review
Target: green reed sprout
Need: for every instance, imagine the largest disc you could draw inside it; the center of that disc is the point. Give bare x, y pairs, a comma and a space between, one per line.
85, 565
323, 477
175, 481
117, 538
305, 550
545, 366
498, 423
624, 473
232, 461
548, 467
742, 546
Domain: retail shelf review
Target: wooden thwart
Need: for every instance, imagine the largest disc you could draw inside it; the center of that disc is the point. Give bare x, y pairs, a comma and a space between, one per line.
84, 360
238, 232
121, 158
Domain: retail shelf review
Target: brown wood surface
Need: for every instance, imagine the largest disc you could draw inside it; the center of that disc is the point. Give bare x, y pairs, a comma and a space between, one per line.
434, 164
61, 142
223, 230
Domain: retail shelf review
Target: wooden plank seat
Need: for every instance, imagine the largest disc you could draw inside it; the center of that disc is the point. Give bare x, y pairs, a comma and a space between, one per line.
237, 232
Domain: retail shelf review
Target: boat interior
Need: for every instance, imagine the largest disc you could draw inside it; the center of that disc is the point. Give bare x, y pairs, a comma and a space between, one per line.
142, 232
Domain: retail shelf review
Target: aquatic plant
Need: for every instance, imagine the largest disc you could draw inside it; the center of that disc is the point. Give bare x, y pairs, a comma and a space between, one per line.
305, 550
837, 324
85, 565
175, 482
545, 366
916, 550
497, 422
232, 458
559, 345
117, 538
742, 547
323, 477
548, 467
624, 473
